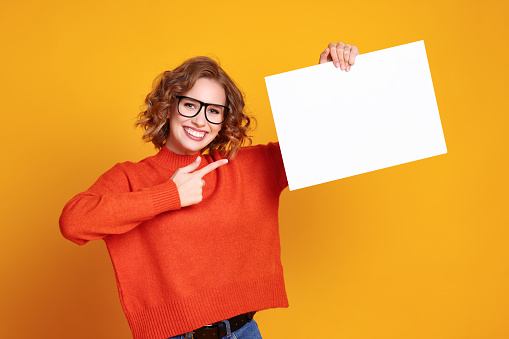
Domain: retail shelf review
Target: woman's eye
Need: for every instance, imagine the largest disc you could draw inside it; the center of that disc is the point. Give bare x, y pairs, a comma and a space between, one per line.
190, 106
215, 110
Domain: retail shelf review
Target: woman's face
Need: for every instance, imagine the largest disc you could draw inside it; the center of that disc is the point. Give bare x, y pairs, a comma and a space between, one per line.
190, 135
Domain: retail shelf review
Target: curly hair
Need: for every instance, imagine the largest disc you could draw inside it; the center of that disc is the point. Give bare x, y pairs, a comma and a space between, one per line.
163, 97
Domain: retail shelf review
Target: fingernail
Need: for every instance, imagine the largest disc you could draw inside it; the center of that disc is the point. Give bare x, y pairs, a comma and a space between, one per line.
342, 67
336, 64
197, 159
348, 68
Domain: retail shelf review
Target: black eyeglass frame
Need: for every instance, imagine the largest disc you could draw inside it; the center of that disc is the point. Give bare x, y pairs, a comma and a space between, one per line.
202, 104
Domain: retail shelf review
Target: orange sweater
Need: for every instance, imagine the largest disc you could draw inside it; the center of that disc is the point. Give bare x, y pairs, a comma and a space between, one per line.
178, 269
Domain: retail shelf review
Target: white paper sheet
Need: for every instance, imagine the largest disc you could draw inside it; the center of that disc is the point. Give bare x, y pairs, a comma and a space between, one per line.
333, 124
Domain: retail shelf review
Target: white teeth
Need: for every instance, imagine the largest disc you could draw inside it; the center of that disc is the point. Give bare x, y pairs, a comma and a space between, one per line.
195, 133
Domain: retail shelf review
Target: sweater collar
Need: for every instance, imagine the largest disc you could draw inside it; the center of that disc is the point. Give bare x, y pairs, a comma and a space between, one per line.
174, 160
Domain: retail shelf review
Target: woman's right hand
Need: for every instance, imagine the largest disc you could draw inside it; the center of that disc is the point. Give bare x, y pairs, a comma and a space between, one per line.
190, 182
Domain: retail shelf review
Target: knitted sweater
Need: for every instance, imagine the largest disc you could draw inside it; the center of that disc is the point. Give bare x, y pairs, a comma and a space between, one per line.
178, 269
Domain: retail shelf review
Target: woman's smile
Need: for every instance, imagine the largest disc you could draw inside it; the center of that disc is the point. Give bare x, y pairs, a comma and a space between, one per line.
194, 134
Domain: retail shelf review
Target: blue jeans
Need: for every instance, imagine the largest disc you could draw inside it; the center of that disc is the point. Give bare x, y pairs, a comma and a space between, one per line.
248, 331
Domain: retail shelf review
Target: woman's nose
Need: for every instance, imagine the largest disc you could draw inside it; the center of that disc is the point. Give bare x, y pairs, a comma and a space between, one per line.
200, 119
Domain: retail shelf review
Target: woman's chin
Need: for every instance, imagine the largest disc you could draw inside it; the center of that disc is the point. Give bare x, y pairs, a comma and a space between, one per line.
188, 148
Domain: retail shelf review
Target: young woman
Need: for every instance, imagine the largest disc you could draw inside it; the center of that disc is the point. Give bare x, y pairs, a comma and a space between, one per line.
193, 230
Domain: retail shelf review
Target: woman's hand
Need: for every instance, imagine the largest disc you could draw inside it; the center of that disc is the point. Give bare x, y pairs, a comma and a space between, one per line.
343, 55
190, 183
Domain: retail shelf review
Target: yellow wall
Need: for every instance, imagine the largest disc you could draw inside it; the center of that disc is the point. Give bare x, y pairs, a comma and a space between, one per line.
415, 251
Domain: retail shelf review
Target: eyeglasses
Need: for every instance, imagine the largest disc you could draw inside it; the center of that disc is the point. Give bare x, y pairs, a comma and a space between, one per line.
190, 107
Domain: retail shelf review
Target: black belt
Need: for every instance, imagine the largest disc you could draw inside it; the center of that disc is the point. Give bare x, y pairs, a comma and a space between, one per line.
218, 330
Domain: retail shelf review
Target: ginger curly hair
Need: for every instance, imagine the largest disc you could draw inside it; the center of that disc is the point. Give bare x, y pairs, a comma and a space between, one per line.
163, 97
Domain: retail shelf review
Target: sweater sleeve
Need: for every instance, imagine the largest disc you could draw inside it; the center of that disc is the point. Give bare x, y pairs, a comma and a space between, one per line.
277, 164
110, 207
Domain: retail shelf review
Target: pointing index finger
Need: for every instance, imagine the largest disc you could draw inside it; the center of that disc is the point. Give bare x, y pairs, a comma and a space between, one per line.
210, 167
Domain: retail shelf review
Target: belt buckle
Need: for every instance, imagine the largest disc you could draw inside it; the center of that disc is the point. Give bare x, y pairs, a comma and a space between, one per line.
221, 329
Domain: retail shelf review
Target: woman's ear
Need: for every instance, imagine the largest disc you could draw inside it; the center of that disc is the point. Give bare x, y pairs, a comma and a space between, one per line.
171, 110
168, 112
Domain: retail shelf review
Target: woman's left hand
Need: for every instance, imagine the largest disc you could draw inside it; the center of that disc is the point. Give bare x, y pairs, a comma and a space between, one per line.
343, 55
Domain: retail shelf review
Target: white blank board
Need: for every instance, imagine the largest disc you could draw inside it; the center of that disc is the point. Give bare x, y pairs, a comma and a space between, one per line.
333, 124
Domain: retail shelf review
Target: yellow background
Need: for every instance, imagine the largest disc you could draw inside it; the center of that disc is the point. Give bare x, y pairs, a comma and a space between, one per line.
419, 250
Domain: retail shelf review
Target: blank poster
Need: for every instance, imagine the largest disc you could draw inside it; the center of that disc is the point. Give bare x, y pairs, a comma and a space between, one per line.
333, 124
